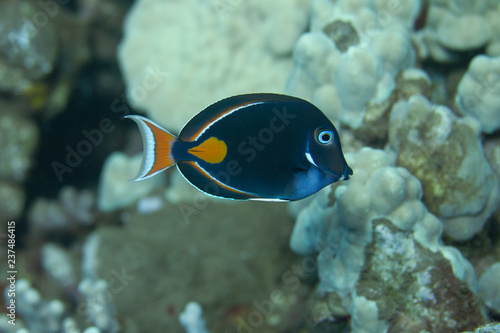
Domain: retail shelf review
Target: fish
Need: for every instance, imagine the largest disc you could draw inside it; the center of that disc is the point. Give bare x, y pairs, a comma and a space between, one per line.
259, 146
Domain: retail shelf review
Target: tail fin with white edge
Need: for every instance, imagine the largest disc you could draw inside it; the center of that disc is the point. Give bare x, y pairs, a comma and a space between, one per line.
157, 152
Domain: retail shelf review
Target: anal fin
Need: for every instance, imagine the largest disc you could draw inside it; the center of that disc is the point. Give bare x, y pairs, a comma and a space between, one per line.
202, 180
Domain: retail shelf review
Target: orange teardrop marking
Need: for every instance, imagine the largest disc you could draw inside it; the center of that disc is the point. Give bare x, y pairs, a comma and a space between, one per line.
212, 150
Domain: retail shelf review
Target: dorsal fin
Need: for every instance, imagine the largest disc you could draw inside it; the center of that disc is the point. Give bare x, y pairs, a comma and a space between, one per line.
195, 127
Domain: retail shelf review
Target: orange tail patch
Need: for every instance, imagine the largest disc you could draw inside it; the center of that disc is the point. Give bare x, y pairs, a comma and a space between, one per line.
212, 150
157, 153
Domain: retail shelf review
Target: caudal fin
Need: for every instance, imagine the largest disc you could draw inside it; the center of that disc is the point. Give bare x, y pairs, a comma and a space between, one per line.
157, 153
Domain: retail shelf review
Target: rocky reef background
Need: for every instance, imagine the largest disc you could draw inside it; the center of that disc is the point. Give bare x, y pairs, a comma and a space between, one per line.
409, 244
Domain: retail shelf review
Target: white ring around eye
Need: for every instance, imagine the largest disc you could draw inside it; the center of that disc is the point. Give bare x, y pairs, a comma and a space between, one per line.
325, 137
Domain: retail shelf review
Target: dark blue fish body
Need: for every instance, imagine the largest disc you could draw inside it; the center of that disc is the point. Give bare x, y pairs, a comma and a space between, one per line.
254, 146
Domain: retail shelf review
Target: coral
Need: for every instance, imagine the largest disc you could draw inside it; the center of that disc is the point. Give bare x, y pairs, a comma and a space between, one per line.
90, 256
18, 139
215, 49
36, 315
445, 153
375, 126
59, 264
489, 328
492, 152
39, 315
479, 90
349, 59
5, 327
150, 205
459, 26
375, 238
489, 288
42, 48
71, 210
192, 320
28, 45
115, 189
98, 307
69, 326
11, 200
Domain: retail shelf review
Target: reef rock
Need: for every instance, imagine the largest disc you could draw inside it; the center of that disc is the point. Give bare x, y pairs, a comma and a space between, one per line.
227, 258
28, 45
459, 26
381, 261
445, 153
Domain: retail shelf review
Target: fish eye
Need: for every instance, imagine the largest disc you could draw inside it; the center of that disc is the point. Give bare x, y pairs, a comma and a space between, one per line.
325, 136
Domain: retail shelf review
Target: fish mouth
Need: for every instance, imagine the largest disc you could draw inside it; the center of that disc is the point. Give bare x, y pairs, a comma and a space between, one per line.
346, 175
